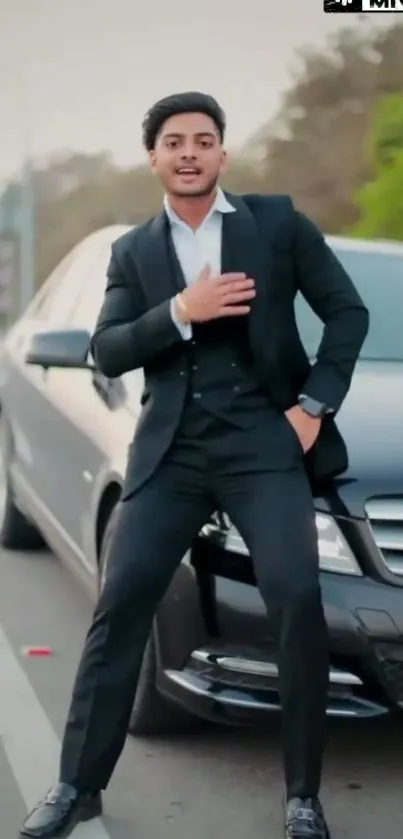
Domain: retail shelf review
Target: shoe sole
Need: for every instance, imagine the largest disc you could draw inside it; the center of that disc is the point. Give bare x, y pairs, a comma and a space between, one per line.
317, 836
86, 814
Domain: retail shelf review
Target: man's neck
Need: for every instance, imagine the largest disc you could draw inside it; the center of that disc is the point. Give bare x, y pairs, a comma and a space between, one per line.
192, 211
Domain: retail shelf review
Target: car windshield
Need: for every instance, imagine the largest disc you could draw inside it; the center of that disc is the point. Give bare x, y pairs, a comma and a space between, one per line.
378, 278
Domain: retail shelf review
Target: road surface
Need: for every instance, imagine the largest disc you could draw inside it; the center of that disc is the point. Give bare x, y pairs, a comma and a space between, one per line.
224, 782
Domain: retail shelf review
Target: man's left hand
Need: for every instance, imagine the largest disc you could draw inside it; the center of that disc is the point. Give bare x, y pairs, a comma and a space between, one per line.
306, 427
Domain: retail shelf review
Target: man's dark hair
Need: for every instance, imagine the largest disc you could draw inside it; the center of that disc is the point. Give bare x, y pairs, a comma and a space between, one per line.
180, 103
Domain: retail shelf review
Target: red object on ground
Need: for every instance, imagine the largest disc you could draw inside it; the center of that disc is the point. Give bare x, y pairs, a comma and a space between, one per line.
37, 651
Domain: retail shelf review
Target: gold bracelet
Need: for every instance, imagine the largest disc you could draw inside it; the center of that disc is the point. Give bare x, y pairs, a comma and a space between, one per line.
182, 305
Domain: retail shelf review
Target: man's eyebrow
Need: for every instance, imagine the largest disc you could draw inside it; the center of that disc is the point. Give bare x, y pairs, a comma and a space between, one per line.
177, 135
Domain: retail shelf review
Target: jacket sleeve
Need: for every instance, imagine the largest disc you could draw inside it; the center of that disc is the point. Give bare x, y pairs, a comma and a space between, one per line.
331, 294
126, 337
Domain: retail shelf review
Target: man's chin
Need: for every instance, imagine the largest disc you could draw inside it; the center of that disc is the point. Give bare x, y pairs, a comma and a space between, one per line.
193, 191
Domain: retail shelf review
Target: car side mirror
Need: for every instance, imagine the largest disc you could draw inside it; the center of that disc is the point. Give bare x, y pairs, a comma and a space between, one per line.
68, 348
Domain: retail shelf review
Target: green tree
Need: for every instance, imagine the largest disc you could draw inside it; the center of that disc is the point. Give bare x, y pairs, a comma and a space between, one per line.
314, 149
380, 201
386, 136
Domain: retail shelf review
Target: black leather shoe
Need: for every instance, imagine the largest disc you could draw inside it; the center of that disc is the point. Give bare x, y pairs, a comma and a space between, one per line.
305, 819
60, 811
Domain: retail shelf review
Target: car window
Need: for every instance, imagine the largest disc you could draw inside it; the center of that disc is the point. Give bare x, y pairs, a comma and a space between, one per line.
65, 284
88, 304
378, 278
50, 286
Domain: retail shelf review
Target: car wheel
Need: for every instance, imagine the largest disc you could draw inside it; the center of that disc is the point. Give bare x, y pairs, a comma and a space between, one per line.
16, 531
152, 713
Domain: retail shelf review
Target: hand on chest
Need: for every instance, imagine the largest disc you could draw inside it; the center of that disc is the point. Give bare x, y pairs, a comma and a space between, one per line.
171, 259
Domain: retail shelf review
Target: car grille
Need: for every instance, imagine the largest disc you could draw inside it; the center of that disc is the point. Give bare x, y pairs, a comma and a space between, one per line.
386, 520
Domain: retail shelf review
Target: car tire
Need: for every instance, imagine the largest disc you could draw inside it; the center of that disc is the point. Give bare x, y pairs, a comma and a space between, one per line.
152, 713
17, 533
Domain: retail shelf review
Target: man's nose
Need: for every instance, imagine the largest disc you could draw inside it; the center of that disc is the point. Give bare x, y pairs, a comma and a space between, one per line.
188, 154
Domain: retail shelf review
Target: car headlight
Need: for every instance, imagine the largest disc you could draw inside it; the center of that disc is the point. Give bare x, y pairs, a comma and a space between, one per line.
335, 554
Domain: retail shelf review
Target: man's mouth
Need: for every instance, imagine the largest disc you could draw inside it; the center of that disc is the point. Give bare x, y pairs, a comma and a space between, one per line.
188, 170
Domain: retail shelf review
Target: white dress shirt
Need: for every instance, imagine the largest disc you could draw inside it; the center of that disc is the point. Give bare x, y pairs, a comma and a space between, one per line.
197, 248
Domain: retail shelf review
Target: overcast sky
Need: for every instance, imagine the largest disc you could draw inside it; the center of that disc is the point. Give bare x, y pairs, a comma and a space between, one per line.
85, 71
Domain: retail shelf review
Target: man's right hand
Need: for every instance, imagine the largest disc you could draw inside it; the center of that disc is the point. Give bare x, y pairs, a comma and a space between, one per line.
215, 296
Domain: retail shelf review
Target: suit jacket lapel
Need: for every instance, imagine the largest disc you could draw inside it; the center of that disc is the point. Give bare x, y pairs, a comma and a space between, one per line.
159, 267
243, 250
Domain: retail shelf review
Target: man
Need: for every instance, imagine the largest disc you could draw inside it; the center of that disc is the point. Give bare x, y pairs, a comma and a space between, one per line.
234, 417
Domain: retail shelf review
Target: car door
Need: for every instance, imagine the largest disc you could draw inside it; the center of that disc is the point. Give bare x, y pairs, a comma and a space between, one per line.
89, 425
41, 397
25, 386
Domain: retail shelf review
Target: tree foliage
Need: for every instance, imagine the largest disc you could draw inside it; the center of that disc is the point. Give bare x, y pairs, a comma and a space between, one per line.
315, 148
381, 199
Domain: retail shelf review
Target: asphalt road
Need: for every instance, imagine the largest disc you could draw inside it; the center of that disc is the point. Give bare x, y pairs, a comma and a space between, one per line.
223, 782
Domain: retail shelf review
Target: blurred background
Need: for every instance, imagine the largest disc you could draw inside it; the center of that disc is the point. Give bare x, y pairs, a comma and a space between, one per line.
314, 104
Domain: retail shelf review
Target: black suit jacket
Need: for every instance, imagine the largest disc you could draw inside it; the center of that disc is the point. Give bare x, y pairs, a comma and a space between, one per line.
285, 253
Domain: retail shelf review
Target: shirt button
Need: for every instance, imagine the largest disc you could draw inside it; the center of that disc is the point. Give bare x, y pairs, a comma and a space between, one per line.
197, 395
237, 388
182, 373
195, 367
233, 364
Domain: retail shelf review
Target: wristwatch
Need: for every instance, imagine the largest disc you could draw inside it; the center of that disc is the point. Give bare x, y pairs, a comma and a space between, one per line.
313, 407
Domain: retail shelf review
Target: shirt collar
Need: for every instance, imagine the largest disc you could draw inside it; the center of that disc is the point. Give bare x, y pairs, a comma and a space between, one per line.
221, 205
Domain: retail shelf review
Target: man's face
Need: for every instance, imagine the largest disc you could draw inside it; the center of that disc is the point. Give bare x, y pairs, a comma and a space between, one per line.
188, 156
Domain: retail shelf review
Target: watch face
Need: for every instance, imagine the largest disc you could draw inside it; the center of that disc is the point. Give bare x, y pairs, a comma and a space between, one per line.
314, 408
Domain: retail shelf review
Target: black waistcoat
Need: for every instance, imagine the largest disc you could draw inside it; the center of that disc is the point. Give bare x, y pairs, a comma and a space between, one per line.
222, 379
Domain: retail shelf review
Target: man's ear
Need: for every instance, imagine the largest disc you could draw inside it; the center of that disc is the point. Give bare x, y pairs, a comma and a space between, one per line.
152, 160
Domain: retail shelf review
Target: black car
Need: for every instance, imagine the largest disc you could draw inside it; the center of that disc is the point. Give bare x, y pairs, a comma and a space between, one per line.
66, 430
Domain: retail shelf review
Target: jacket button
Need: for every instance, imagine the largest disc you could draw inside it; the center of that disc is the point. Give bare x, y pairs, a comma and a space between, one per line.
182, 373
195, 367
197, 395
